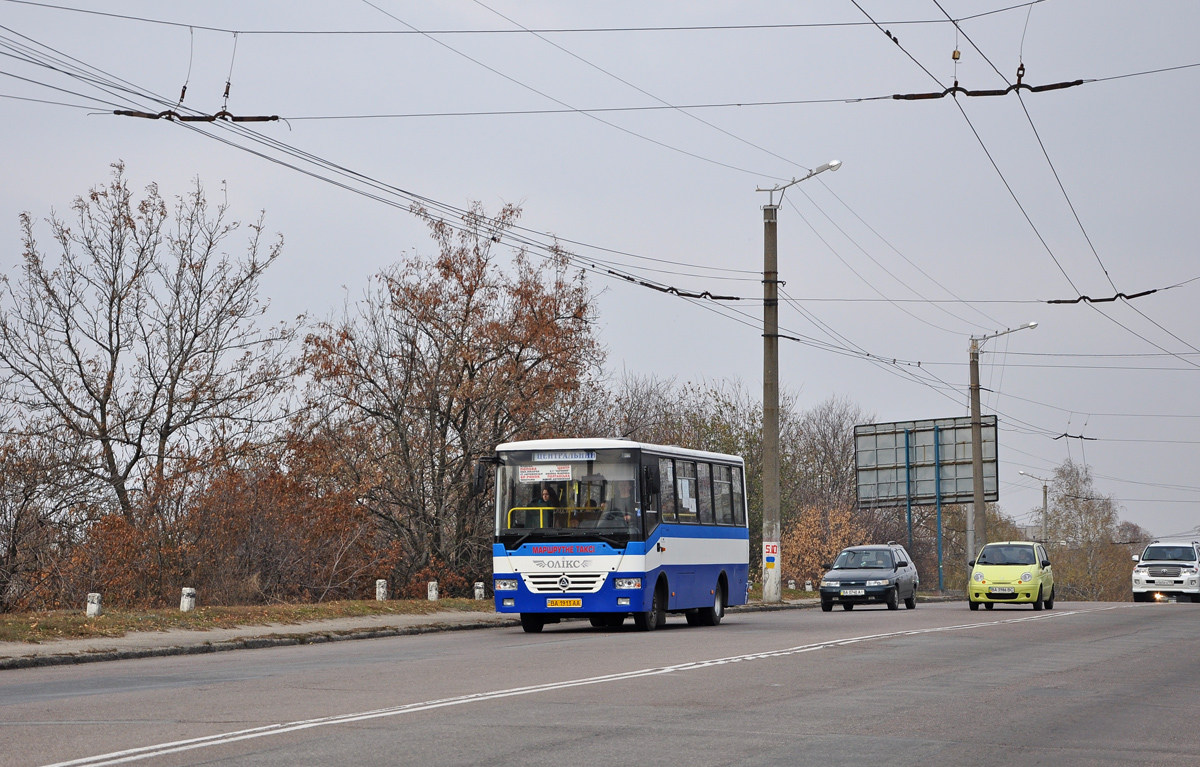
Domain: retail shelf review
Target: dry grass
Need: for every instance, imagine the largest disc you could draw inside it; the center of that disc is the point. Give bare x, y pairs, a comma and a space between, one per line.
74, 624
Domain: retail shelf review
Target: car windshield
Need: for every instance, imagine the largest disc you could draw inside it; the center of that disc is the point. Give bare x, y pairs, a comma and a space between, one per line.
867, 559
1006, 554
1170, 554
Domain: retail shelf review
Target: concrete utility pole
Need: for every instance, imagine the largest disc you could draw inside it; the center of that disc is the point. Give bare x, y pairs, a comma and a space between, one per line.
976, 459
1045, 493
772, 586
977, 519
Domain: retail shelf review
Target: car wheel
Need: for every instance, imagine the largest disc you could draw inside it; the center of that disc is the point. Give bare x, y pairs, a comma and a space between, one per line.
532, 623
826, 607
910, 602
893, 601
1050, 601
972, 604
847, 607
1037, 603
711, 616
656, 616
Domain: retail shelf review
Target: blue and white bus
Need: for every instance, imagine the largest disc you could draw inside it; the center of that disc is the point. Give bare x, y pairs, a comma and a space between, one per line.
607, 528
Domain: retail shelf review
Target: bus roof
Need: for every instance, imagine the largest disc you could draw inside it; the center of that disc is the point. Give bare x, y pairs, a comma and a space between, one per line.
601, 443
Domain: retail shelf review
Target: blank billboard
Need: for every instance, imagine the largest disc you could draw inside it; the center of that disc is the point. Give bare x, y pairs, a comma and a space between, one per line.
885, 478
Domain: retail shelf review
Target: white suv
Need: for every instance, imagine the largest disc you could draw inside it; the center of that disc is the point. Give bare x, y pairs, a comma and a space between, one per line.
1167, 569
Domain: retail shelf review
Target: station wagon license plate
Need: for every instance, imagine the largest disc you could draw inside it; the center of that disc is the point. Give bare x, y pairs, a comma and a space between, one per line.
564, 603
1002, 589
853, 592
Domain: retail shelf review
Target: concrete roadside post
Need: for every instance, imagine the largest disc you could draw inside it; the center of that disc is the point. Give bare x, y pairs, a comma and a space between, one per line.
792, 584
808, 585
479, 589
93, 606
433, 594
187, 600
381, 590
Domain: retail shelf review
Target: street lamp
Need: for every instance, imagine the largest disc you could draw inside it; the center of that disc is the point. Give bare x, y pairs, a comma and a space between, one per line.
977, 519
1044, 482
772, 591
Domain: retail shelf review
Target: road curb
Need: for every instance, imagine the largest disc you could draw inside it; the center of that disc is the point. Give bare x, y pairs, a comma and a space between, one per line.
249, 643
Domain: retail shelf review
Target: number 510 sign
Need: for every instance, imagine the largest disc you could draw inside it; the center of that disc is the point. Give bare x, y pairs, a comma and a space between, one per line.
770, 554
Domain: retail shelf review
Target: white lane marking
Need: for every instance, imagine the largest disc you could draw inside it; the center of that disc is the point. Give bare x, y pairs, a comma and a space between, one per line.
162, 749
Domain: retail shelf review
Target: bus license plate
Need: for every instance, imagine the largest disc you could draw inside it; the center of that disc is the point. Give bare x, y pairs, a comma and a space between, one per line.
853, 592
1002, 589
564, 603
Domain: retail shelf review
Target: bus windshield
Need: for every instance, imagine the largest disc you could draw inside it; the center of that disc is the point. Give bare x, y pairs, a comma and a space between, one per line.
568, 493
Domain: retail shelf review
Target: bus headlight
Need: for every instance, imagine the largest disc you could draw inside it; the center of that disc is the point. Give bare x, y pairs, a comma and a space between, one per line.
505, 584
628, 583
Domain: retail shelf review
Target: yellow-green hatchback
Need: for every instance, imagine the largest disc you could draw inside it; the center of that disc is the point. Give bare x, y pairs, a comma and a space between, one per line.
1013, 572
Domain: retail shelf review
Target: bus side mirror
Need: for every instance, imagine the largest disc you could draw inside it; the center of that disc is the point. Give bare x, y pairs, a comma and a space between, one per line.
479, 482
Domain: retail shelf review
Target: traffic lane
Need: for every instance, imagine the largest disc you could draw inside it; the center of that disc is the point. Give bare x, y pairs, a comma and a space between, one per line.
578, 644
531, 655
117, 705
897, 700
72, 711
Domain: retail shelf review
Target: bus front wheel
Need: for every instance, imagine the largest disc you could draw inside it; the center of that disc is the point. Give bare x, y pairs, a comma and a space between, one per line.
532, 623
656, 616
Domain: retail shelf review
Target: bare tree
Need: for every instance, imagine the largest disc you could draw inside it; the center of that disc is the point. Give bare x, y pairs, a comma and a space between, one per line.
136, 344
1086, 538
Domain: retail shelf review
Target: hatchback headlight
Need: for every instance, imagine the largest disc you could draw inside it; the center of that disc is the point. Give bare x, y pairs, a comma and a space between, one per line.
834, 584
506, 584
879, 583
628, 583
977, 577
1026, 577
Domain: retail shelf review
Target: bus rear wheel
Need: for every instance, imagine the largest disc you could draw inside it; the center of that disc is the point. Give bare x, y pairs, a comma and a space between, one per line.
532, 623
656, 616
711, 616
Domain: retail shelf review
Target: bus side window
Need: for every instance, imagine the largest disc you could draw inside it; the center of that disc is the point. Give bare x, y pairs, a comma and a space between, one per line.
685, 492
723, 495
739, 502
666, 478
651, 492
705, 492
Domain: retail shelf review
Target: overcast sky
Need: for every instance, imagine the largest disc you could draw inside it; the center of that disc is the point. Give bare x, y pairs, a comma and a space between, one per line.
946, 219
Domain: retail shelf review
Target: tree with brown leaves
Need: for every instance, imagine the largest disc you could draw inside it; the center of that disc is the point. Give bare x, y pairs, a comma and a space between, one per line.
443, 359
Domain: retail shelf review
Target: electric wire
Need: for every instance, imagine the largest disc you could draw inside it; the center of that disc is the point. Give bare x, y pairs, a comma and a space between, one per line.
643, 91
562, 103
590, 30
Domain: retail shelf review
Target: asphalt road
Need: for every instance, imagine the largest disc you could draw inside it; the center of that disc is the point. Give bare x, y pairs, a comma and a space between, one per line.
1084, 684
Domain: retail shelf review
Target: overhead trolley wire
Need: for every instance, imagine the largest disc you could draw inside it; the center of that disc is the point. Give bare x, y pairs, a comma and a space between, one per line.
562, 103
559, 30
